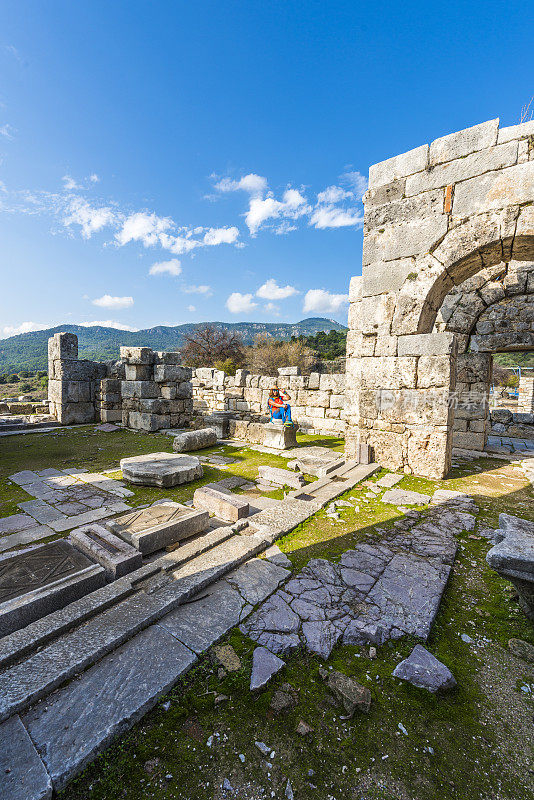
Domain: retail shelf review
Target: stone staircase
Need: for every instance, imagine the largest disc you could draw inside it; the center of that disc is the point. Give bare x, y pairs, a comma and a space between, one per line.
81, 675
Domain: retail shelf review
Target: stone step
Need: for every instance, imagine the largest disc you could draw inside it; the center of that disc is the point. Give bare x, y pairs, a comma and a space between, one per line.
36, 676
24, 776
82, 718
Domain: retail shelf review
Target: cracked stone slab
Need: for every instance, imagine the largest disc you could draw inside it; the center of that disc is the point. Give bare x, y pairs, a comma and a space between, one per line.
73, 725
161, 469
257, 579
24, 776
27, 536
389, 480
405, 497
16, 523
201, 622
24, 477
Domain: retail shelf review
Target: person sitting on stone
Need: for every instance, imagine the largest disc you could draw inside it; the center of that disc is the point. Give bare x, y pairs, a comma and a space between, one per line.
279, 406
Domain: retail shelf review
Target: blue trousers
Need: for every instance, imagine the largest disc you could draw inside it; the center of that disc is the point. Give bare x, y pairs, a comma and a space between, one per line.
282, 414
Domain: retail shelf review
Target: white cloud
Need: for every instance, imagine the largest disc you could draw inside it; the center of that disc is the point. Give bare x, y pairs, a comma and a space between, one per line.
171, 267
69, 183
7, 131
333, 194
324, 301
202, 289
357, 182
107, 323
214, 236
272, 308
90, 218
24, 327
251, 183
144, 227
292, 206
191, 308
271, 291
107, 301
94, 178
334, 217
238, 303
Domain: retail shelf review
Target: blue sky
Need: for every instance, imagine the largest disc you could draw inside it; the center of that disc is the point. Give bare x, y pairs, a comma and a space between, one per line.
168, 162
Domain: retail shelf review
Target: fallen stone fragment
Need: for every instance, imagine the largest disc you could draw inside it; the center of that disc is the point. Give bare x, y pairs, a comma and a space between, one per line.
264, 665
513, 557
227, 656
194, 440
284, 699
423, 670
389, 480
303, 729
228, 507
161, 469
349, 692
320, 637
282, 477
521, 649
289, 791
405, 497
264, 749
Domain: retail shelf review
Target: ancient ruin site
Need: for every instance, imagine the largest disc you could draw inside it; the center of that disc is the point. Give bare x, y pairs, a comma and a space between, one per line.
207, 594
266, 400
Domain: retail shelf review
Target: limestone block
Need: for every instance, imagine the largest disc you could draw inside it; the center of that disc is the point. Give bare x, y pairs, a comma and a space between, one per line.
161, 469
225, 506
386, 345
165, 373
524, 130
332, 413
495, 190
138, 372
433, 371
75, 413
117, 557
137, 355
409, 209
194, 440
468, 440
286, 371
282, 477
238, 429
476, 425
168, 357
315, 379
389, 448
24, 776
76, 370
427, 344
337, 401
429, 452
381, 277
513, 557
415, 406
398, 167
63, 346
277, 436
267, 381
495, 158
313, 399
111, 385
332, 383
314, 412
159, 526
372, 315
240, 377
461, 143
387, 193
390, 372
473, 368
405, 239
110, 415
141, 421
140, 389
524, 234
355, 288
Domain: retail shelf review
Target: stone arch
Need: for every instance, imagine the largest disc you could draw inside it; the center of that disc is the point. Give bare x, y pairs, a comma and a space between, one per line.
435, 217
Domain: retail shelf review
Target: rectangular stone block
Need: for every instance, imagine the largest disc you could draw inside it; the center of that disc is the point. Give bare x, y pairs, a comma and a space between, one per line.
381, 276
388, 372
169, 357
461, 143
110, 415
426, 344
24, 776
433, 371
505, 155
159, 526
398, 167
282, 477
83, 717
137, 355
63, 346
75, 413
164, 373
116, 556
138, 372
42, 580
277, 436
148, 422
229, 507
493, 190
468, 440
522, 131
405, 239
141, 389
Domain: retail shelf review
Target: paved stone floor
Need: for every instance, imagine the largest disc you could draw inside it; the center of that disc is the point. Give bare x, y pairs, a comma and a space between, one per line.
506, 444
378, 590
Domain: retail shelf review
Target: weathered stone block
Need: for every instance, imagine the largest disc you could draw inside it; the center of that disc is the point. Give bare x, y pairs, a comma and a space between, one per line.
168, 357
461, 143
398, 167
141, 389
521, 131
138, 372
194, 440
116, 556
63, 346
24, 776
75, 413
495, 190
426, 344
382, 277
159, 526
164, 373
137, 355
229, 507
141, 421
282, 477
406, 239
433, 371
161, 469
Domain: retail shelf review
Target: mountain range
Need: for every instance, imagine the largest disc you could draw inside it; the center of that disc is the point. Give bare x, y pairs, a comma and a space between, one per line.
28, 351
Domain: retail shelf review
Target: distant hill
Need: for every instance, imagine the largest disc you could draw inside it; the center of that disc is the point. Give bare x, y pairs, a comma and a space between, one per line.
28, 351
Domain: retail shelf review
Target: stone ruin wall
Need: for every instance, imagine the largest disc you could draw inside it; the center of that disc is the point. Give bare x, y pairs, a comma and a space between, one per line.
525, 402
434, 218
151, 391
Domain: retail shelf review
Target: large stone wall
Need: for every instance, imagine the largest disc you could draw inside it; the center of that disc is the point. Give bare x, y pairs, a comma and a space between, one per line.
434, 218
317, 400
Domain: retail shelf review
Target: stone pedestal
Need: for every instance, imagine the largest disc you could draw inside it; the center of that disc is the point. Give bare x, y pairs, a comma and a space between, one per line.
161, 469
513, 557
116, 556
278, 436
159, 526
224, 505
